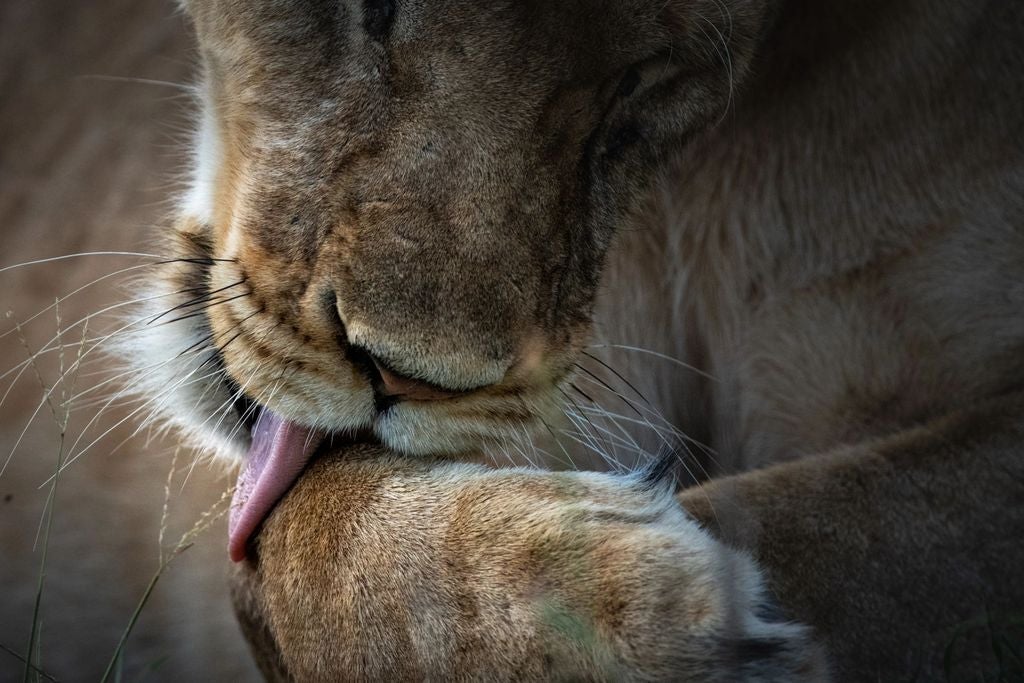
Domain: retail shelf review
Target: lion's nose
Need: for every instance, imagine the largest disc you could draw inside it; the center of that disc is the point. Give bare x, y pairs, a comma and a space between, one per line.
396, 386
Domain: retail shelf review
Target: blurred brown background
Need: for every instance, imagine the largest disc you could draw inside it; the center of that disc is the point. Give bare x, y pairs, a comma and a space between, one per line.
88, 162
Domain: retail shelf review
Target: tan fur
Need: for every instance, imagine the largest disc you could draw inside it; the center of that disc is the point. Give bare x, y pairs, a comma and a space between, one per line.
385, 568
829, 194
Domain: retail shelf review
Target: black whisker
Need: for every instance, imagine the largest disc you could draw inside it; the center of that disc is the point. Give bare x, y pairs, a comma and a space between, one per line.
196, 261
222, 349
202, 311
617, 374
206, 296
211, 337
581, 393
609, 388
195, 346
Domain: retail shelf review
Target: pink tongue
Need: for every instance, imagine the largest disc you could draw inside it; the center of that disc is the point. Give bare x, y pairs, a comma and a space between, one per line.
280, 450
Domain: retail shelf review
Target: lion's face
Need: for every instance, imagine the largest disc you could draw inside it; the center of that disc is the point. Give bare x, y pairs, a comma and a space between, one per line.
400, 209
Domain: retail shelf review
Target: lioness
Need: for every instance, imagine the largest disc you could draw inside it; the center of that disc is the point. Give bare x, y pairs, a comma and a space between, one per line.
398, 222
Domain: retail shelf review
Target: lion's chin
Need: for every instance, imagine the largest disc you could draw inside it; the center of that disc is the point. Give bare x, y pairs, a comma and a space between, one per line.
413, 431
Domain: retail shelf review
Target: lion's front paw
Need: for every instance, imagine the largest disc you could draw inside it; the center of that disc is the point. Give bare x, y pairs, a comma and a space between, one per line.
380, 568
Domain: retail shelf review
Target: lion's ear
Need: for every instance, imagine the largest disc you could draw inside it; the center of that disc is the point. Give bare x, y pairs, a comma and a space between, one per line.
713, 42
705, 53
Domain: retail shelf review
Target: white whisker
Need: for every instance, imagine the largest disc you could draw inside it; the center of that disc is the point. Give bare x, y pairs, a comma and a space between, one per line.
662, 356
184, 87
71, 460
79, 290
65, 257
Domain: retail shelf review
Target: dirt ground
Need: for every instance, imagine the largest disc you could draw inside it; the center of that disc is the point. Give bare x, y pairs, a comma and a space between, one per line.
88, 158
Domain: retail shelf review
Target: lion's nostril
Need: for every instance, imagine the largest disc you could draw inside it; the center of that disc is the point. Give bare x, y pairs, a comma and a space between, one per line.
394, 385
390, 387
334, 316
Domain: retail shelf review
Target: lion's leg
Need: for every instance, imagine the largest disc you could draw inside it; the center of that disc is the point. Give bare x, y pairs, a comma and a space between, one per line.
897, 552
379, 567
